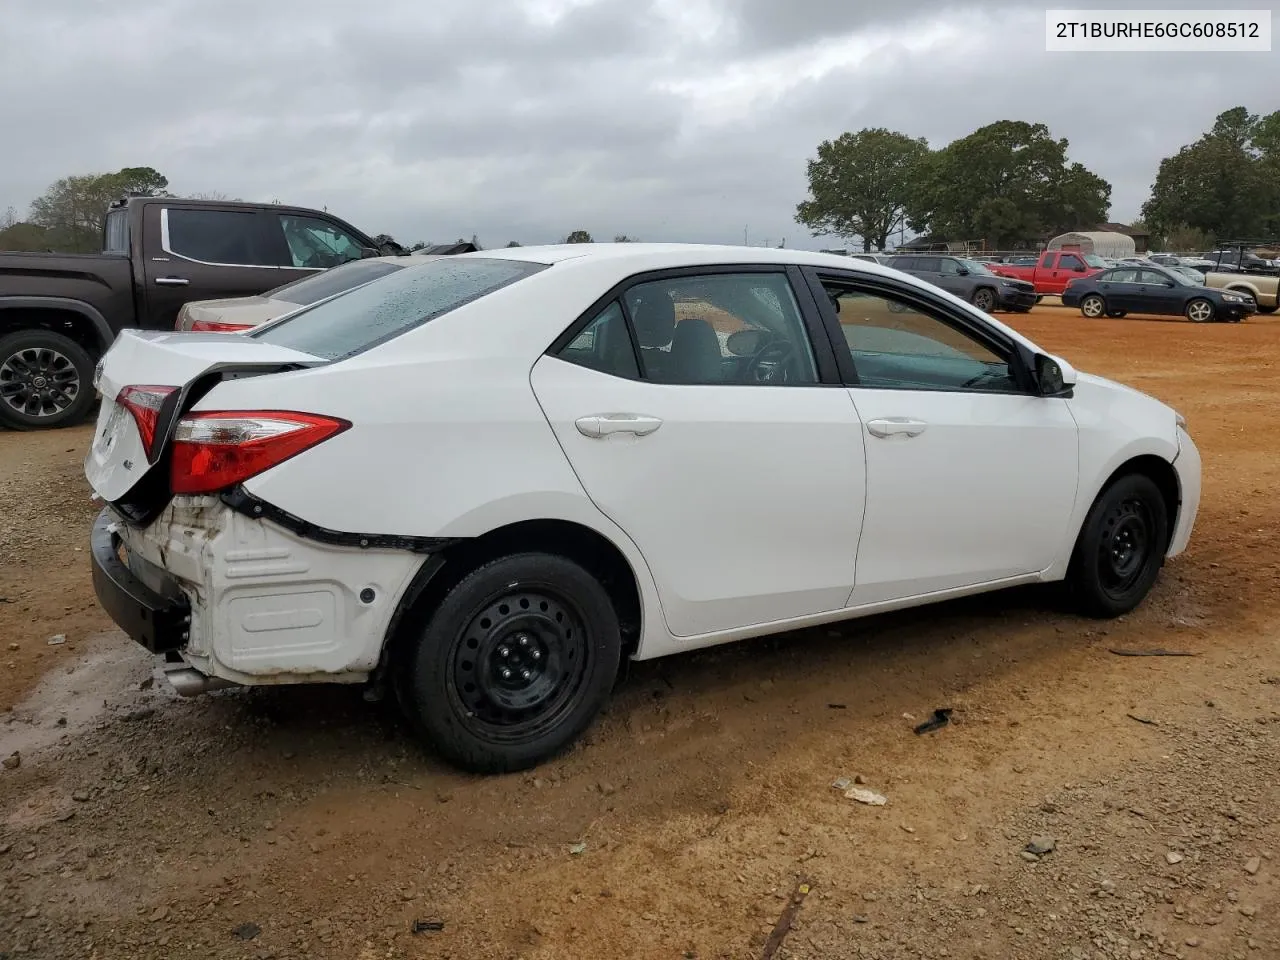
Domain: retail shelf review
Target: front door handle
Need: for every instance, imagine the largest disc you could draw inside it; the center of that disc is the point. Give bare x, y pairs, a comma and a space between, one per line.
896, 427
601, 425
172, 281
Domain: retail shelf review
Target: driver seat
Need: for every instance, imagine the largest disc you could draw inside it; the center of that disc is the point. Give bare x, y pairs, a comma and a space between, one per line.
695, 352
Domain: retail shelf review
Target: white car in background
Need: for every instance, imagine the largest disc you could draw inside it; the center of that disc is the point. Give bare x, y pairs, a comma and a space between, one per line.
485, 480
237, 314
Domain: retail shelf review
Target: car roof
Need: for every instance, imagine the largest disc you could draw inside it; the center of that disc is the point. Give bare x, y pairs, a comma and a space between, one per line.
658, 255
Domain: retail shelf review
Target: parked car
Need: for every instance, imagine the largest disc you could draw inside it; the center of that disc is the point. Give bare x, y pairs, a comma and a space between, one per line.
969, 280
880, 258
1264, 290
60, 312
710, 443
1191, 273
243, 313
1051, 272
1155, 290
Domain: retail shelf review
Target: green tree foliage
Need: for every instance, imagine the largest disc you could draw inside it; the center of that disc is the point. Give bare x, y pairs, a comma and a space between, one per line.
513, 243
73, 209
1005, 182
578, 236
1226, 184
859, 185
623, 238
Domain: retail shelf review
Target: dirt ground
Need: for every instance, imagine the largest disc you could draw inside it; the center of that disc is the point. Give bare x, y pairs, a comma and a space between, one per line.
303, 823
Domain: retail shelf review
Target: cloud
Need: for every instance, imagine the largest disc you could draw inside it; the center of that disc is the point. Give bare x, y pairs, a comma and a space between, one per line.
673, 119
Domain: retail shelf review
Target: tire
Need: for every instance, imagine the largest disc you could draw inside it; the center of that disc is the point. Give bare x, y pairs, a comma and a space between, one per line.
544, 621
1120, 549
1093, 306
1200, 310
46, 380
1271, 309
1116, 314
984, 298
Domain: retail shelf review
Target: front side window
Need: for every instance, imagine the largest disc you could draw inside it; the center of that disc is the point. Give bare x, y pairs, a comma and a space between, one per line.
897, 346
369, 315
950, 268
221, 237
317, 244
317, 287
742, 328
1069, 261
1153, 277
1121, 276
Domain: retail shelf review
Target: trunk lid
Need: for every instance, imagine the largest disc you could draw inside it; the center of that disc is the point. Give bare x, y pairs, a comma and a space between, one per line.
188, 363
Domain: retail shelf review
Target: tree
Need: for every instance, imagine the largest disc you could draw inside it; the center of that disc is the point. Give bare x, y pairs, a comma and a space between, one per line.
73, 209
420, 245
578, 236
623, 238
859, 184
513, 243
8, 218
1226, 184
215, 195
1005, 182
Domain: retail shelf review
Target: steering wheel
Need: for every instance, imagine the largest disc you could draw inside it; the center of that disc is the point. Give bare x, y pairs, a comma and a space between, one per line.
769, 363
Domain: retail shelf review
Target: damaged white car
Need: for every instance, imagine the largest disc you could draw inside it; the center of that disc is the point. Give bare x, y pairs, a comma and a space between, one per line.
484, 481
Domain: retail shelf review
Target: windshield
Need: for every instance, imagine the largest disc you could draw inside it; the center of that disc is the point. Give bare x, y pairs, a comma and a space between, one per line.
369, 315
318, 286
1094, 261
977, 266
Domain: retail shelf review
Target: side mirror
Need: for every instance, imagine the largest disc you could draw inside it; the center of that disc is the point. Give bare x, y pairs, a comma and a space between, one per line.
367, 252
963, 271
1078, 269
1055, 377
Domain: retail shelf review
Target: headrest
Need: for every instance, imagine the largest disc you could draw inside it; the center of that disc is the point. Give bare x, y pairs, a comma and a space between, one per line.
655, 319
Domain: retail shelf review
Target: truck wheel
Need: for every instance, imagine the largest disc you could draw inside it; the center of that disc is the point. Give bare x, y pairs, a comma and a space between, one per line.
984, 298
1271, 309
46, 380
514, 663
1093, 306
1200, 311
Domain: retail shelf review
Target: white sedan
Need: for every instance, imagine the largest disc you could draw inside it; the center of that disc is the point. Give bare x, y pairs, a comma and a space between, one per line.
483, 481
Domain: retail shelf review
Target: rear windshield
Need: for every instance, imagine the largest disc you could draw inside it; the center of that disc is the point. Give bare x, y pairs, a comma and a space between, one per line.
358, 320
312, 289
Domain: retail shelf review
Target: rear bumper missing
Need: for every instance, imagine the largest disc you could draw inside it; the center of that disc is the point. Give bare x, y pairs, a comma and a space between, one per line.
142, 599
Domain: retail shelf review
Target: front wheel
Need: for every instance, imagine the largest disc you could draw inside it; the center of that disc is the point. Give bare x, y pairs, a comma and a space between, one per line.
1120, 548
1200, 311
46, 380
1093, 306
514, 663
984, 298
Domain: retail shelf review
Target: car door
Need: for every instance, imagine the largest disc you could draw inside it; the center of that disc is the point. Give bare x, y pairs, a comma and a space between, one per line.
203, 253
948, 278
1069, 267
971, 478
1119, 288
703, 418
1158, 294
305, 243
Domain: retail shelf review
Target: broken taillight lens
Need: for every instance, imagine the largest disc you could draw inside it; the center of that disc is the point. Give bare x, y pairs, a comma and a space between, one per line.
216, 450
143, 402
212, 326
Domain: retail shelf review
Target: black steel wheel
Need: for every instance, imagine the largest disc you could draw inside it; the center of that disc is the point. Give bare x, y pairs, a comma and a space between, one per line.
514, 663
1121, 547
984, 298
46, 380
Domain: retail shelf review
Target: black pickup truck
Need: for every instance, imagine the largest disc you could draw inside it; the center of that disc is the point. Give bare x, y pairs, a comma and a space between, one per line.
60, 312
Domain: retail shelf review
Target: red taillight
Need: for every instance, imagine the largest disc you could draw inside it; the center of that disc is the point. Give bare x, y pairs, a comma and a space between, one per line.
213, 451
144, 403
212, 326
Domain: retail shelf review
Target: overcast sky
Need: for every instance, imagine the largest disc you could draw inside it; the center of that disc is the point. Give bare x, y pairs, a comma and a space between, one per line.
526, 119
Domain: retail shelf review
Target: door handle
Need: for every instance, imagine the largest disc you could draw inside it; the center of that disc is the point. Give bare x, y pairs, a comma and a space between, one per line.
602, 425
896, 427
172, 281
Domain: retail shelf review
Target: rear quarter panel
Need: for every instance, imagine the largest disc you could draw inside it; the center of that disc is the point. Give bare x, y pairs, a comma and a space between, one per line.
103, 281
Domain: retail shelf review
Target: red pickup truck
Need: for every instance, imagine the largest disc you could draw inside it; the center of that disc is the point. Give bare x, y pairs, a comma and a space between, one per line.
1053, 271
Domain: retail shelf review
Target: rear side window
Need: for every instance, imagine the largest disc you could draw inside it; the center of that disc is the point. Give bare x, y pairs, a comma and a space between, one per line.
227, 237
369, 315
311, 290
117, 233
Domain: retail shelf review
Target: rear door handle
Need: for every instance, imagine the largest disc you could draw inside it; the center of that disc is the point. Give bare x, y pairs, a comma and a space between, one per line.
896, 427
601, 425
172, 281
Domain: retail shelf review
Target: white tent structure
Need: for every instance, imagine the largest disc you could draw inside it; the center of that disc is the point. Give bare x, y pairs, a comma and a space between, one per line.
1103, 244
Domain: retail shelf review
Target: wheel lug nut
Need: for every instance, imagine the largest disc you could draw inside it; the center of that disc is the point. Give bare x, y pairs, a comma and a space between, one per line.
523, 640
504, 673
535, 655
525, 675
504, 652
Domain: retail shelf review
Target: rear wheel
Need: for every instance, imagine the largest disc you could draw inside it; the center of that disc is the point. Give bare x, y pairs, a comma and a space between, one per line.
46, 380
1270, 309
1200, 310
1093, 306
514, 663
1121, 547
984, 298
1116, 314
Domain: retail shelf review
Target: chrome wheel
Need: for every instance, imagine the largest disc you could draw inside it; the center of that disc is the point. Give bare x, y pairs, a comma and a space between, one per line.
38, 382
1199, 311
1093, 307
